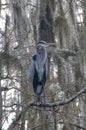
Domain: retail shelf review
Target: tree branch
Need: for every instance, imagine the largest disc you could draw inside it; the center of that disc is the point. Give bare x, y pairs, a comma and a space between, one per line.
13, 124
73, 124
30, 5
65, 53
3, 89
67, 101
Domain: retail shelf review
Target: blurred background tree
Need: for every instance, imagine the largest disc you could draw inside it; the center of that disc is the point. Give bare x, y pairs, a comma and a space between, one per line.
22, 24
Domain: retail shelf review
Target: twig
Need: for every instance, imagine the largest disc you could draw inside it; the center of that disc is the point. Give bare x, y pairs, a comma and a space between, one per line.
73, 124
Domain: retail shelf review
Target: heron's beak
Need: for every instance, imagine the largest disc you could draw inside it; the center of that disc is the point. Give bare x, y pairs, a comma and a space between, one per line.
48, 45
52, 44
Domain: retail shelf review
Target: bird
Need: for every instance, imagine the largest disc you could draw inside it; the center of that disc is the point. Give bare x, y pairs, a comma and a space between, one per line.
39, 68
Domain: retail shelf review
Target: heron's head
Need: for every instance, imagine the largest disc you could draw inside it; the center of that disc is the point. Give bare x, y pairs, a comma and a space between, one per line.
41, 46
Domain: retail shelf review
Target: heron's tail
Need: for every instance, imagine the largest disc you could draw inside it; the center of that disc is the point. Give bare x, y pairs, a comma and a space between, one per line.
39, 89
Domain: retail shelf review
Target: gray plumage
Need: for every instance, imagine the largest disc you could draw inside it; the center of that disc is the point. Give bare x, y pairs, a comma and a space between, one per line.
39, 68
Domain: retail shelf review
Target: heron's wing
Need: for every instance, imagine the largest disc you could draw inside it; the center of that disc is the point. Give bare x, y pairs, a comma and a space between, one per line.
32, 68
47, 69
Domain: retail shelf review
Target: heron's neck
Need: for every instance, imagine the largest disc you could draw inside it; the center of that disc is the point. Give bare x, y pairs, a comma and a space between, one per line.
40, 62
41, 57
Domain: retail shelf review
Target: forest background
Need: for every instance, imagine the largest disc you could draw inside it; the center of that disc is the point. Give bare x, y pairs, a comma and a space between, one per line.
22, 24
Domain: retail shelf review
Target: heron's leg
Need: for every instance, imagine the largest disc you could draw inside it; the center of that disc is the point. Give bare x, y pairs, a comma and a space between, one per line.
44, 97
37, 99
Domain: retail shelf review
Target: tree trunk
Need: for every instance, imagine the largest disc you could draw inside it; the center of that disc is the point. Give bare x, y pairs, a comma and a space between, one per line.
21, 34
0, 98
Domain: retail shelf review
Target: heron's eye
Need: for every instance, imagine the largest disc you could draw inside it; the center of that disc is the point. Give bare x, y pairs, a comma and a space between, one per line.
40, 49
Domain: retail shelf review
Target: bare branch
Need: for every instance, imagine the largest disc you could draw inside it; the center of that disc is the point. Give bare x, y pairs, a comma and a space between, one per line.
67, 101
3, 89
65, 53
30, 4
13, 124
73, 124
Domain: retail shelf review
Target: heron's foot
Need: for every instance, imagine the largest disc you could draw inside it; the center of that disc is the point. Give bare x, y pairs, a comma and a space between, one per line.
37, 102
44, 101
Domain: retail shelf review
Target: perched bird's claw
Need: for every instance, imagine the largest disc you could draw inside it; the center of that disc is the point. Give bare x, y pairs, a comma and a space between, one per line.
43, 102
37, 103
